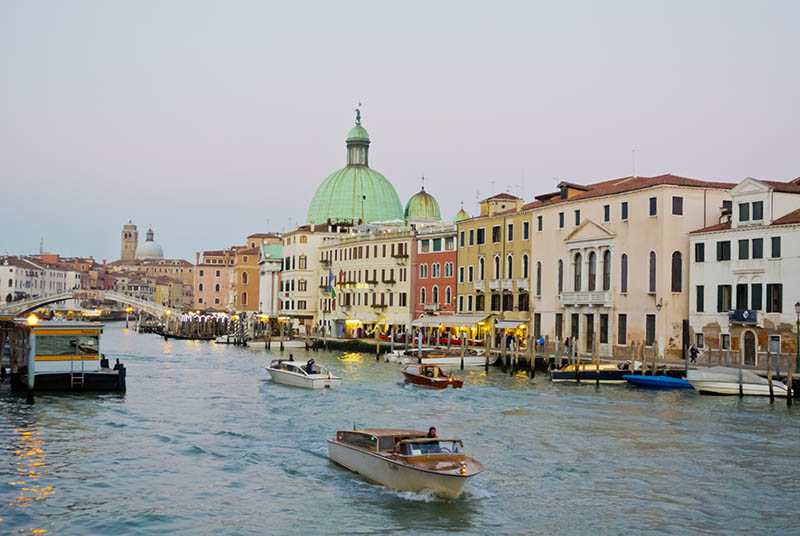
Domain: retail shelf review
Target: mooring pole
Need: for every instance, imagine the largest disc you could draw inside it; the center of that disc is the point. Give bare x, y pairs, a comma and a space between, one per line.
31, 367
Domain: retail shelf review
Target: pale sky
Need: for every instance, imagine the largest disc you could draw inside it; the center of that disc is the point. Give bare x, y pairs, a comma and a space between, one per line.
215, 120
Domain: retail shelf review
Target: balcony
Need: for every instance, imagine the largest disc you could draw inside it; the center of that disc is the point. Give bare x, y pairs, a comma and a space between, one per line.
480, 286
507, 284
522, 284
749, 266
379, 306
325, 262
430, 307
600, 298
400, 258
494, 284
389, 282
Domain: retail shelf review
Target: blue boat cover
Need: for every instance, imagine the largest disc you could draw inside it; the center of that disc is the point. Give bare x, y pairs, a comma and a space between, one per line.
661, 382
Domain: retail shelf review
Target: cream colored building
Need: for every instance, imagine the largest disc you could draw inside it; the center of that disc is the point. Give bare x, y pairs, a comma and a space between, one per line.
494, 264
370, 267
610, 260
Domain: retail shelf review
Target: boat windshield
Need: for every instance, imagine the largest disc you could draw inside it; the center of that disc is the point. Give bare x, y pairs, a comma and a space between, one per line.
420, 448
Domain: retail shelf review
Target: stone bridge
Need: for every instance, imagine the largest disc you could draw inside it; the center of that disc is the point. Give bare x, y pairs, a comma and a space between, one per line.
19, 308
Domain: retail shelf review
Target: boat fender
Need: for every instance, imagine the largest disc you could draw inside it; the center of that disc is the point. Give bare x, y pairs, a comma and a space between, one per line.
463, 468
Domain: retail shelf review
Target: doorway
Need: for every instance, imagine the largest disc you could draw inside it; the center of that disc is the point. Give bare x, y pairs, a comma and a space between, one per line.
749, 348
589, 333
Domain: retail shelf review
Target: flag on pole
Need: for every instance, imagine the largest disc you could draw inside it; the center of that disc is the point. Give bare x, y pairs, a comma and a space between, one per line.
330, 284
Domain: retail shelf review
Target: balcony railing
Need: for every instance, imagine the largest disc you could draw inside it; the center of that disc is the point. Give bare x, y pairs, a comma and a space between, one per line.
507, 284
433, 307
480, 286
494, 284
325, 262
601, 298
522, 284
389, 281
379, 306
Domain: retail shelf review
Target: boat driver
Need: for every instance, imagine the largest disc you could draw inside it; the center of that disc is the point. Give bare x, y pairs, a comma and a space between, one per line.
310, 366
432, 447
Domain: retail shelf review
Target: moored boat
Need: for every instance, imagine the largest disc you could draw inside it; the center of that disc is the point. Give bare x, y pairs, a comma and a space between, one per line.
405, 460
441, 357
725, 381
657, 382
430, 376
302, 374
588, 372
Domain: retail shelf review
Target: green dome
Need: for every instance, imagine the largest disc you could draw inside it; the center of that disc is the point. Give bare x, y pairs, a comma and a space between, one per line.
461, 215
355, 192
422, 205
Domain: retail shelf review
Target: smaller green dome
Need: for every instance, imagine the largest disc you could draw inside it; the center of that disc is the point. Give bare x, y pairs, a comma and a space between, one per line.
461, 215
357, 133
422, 205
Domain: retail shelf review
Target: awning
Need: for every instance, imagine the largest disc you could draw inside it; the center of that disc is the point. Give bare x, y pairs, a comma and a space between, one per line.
449, 321
510, 324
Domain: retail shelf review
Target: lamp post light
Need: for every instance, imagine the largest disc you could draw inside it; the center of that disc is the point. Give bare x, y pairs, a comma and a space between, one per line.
797, 339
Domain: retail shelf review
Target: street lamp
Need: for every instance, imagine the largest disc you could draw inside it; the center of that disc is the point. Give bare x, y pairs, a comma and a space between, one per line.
797, 339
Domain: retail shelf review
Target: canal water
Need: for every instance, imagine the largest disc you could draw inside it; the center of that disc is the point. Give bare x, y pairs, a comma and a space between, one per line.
203, 442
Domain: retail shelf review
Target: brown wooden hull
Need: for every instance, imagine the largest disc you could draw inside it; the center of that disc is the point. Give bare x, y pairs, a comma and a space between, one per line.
432, 383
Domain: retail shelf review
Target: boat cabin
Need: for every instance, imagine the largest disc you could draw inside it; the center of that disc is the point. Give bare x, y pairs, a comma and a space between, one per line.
430, 371
297, 367
399, 442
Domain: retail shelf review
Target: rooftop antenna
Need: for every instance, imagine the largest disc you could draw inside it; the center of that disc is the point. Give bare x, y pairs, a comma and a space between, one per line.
41, 246
633, 161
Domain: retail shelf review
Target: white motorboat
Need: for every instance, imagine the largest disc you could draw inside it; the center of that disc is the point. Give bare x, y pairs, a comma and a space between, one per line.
441, 357
725, 381
276, 343
405, 460
302, 374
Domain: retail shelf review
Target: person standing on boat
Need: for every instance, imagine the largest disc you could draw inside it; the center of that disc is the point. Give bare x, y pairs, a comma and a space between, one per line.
693, 354
432, 433
310, 366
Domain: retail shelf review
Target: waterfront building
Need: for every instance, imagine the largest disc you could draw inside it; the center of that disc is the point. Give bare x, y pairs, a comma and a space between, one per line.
25, 278
370, 268
610, 259
433, 269
270, 260
212, 281
244, 290
494, 265
743, 273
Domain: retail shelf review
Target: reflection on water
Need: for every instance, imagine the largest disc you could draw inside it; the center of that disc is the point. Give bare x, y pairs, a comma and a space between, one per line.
204, 442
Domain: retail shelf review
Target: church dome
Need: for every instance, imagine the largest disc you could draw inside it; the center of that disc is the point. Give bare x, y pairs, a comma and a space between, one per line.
461, 215
149, 249
355, 192
422, 205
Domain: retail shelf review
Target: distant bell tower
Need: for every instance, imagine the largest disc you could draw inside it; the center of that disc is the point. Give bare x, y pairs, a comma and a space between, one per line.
130, 240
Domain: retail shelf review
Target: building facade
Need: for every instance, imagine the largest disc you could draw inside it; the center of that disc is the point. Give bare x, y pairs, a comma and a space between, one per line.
433, 271
213, 279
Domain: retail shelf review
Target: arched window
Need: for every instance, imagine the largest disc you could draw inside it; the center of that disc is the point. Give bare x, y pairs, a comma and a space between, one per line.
481, 269
560, 276
538, 278
677, 272
422, 295
435, 294
423, 271
216, 287
623, 271
578, 262
592, 271
200, 287
509, 267
244, 278
448, 295
496, 267
244, 298
607, 270
525, 266
651, 287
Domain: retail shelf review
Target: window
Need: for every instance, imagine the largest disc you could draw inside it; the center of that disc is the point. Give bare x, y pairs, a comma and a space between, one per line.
775, 344
560, 276
437, 244
461, 240
724, 250
469, 303
653, 206
577, 282
725, 341
481, 237
755, 296
539, 223
495, 302
603, 328
758, 210
577, 217
470, 273
699, 340
525, 266
303, 262
423, 271
472, 237
496, 234
496, 267
537, 325
559, 326
435, 294
450, 243
622, 329
592, 271
624, 211
200, 287
606, 213
510, 232
244, 278
651, 287
216, 287
699, 252
677, 272
723, 298
526, 230
677, 206
461, 303
560, 220
607, 270
758, 248
741, 296
424, 246
481, 269
509, 267
744, 249
217, 273
480, 302
538, 277
460, 274
744, 211
201, 275
508, 302
650, 330
700, 305
436, 270
623, 269
776, 247
523, 302
448, 295
421, 296
774, 298
448, 269
244, 298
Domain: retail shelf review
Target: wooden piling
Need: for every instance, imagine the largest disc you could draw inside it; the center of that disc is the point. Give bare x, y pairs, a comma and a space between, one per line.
463, 348
283, 328
769, 378
789, 393
576, 350
503, 340
377, 343
596, 355
741, 364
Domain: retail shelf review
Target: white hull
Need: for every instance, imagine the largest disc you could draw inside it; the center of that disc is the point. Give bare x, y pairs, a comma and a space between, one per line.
311, 381
447, 362
381, 470
731, 388
262, 344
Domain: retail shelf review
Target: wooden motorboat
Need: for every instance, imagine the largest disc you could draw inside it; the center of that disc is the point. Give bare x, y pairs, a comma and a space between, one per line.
300, 374
441, 357
588, 372
657, 382
725, 381
430, 376
404, 460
